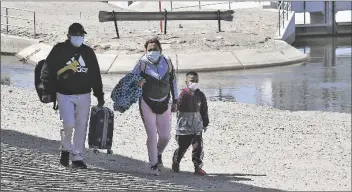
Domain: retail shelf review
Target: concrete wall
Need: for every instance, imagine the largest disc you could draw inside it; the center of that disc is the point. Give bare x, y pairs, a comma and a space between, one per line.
314, 30
342, 6
322, 18
319, 6
289, 34
311, 6
13, 44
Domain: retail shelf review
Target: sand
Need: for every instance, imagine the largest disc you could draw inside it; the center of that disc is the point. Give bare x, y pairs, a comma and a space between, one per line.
247, 148
252, 28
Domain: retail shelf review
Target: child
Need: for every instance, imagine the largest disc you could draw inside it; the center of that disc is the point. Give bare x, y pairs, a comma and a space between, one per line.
192, 119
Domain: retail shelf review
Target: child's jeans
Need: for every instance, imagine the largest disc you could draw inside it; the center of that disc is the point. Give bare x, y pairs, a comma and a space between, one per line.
184, 141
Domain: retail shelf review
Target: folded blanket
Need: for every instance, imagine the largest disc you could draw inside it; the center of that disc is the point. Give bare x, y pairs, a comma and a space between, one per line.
126, 92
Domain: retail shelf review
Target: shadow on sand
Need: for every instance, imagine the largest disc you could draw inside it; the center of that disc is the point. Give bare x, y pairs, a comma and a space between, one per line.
35, 151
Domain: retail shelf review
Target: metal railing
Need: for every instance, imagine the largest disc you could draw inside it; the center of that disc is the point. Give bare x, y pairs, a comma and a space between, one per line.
284, 8
7, 16
105, 16
200, 5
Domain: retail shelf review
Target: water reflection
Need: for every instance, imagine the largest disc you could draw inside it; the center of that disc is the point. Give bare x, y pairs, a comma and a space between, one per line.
323, 84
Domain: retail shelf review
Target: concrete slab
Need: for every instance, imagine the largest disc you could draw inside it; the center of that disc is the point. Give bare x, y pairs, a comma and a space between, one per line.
208, 61
124, 63
105, 61
292, 53
13, 44
253, 59
34, 53
212, 61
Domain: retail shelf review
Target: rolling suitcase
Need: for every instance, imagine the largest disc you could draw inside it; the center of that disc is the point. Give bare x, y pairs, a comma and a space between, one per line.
101, 129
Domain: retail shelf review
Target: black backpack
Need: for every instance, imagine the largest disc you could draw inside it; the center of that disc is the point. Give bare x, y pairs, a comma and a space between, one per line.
39, 84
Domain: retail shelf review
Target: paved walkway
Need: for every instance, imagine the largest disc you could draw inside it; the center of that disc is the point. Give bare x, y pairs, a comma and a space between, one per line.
209, 61
27, 166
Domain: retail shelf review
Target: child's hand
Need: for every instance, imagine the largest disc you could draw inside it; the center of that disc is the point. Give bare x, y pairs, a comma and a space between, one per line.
205, 129
174, 108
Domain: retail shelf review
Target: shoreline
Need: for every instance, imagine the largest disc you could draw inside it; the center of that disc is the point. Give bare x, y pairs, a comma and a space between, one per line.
113, 63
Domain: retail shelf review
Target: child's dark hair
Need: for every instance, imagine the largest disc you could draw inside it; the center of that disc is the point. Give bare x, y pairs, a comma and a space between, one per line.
192, 73
152, 40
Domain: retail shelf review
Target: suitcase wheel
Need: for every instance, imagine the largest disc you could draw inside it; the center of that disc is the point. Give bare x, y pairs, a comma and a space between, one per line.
96, 151
109, 152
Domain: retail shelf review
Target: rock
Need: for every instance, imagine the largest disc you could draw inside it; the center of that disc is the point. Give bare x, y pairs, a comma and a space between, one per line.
180, 26
219, 37
106, 47
181, 41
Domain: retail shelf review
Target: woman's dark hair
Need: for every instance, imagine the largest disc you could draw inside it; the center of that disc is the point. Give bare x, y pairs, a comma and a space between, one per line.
153, 40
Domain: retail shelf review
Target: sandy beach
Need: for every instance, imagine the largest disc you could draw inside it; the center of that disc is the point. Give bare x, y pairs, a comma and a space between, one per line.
252, 28
247, 148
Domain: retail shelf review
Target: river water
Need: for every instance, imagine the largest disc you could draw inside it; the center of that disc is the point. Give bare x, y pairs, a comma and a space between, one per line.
323, 83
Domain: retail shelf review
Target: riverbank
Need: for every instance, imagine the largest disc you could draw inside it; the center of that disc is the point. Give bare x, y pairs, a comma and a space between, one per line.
282, 54
247, 148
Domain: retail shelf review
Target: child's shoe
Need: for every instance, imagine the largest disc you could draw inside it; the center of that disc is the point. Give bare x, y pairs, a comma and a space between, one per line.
199, 171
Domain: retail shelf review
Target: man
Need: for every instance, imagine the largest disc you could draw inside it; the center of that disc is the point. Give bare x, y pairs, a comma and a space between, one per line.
72, 71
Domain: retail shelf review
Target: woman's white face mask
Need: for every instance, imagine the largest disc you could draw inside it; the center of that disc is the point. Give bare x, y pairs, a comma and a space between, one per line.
193, 86
153, 56
77, 41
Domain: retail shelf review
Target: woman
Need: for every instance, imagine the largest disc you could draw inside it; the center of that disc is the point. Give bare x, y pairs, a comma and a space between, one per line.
155, 105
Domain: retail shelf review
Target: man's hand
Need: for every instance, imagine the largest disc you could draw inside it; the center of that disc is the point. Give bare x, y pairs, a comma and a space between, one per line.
101, 103
46, 98
174, 107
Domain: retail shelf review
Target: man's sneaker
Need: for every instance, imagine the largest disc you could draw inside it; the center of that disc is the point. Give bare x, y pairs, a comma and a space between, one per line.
64, 160
199, 171
79, 165
160, 161
175, 167
154, 170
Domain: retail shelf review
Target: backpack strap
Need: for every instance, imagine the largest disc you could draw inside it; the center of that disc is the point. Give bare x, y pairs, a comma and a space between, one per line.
170, 65
55, 104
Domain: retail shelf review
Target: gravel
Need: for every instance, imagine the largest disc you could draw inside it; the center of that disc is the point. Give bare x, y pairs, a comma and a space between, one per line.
247, 148
252, 28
